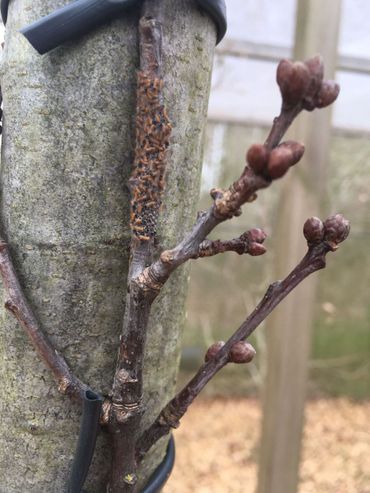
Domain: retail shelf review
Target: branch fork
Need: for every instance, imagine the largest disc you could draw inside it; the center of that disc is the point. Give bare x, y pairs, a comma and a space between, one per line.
334, 230
302, 87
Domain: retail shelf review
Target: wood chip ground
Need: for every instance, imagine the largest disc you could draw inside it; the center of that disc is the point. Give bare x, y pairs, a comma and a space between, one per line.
217, 447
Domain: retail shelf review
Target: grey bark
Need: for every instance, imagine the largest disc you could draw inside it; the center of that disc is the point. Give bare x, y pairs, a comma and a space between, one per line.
66, 157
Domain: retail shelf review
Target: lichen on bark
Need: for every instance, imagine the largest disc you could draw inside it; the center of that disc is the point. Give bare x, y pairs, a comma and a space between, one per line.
66, 157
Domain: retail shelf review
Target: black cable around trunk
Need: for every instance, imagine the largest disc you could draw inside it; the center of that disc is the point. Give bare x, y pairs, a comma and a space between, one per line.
89, 427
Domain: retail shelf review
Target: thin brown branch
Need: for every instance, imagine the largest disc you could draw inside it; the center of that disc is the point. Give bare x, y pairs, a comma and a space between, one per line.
265, 163
226, 204
321, 238
249, 242
18, 306
280, 126
146, 185
302, 87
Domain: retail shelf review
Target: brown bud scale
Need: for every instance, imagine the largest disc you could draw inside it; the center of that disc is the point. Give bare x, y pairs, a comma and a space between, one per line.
313, 230
315, 67
257, 157
293, 80
213, 350
279, 162
328, 93
336, 229
296, 148
256, 235
242, 352
256, 249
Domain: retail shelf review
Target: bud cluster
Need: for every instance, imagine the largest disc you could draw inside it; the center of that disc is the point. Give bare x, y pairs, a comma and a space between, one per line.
275, 163
334, 230
240, 352
302, 83
254, 239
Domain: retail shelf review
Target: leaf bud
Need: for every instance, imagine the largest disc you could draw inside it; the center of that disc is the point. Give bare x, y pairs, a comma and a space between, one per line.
213, 350
313, 230
336, 229
242, 352
257, 157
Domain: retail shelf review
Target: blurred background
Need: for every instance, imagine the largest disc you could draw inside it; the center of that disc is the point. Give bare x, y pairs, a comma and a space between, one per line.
299, 413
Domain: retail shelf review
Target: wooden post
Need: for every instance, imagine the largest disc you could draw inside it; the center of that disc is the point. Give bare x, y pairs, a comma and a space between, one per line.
289, 329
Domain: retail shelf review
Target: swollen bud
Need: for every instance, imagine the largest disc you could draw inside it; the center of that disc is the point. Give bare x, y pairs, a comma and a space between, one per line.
256, 235
242, 352
336, 229
293, 79
254, 239
256, 249
279, 162
315, 68
313, 230
257, 157
328, 93
213, 350
297, 149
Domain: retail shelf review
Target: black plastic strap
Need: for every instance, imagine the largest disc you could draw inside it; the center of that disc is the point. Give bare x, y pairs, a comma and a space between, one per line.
72, 21
215, 8
4, 10
160, 476
92, 405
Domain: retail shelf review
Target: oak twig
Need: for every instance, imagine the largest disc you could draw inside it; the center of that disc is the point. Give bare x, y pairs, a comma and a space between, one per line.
18, 306
322, 238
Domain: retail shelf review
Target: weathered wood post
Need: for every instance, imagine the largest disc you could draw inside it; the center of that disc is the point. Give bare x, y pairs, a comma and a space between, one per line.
289, 328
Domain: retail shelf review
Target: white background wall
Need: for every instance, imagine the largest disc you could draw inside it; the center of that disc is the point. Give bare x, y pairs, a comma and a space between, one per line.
245, 90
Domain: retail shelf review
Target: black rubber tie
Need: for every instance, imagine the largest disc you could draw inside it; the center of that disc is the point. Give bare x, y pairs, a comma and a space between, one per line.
160, 476
91, 409
81, 16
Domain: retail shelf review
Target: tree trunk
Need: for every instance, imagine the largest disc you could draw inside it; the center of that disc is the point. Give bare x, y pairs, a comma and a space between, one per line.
66, 157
